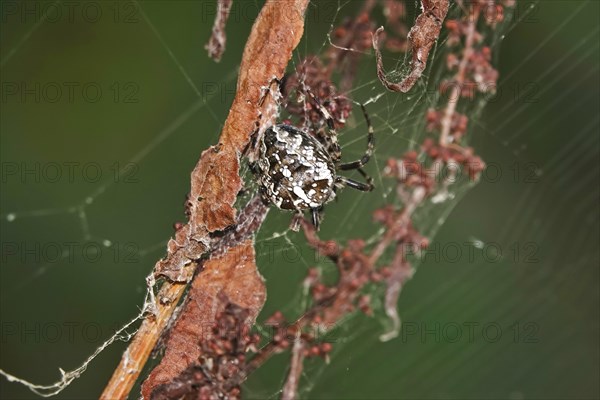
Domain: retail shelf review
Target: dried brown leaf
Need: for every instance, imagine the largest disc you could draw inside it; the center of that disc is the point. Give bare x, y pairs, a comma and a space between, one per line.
421, 37
235, 275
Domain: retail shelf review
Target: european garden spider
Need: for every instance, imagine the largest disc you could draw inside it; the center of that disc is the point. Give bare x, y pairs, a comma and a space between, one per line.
297, 169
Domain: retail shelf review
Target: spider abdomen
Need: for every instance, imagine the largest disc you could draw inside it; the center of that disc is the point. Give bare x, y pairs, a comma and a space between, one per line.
295, 170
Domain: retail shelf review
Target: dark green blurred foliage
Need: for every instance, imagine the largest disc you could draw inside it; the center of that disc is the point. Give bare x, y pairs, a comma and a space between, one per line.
86, 94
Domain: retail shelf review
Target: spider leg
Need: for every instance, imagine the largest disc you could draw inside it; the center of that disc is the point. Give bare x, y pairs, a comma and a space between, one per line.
267, 89
363, 187
370, 145
367, 177
253, 168
254, 136
251, 145
332, 138
296, 221
316, 218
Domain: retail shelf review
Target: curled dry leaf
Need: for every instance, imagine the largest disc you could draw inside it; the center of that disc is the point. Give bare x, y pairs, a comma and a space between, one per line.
233, 275
421, 38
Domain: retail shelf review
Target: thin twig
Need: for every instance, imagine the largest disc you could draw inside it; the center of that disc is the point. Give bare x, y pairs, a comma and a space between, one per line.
290, 389
139, 350
218, 38
460, 77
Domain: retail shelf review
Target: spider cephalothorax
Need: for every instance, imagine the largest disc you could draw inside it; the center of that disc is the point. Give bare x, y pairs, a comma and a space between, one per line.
297, 170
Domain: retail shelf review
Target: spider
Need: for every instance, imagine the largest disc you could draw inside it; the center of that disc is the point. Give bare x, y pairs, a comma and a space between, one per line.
298, 169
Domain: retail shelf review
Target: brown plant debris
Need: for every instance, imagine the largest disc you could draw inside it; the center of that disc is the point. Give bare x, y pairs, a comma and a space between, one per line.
223, 351
350, 41
386, 262
395, 14
215, 182
232, 276
421, 38
314, 77
207, 344
470, 59
218, 38
214, 365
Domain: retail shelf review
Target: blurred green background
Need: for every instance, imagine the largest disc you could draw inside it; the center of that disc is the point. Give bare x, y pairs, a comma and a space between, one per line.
504, 306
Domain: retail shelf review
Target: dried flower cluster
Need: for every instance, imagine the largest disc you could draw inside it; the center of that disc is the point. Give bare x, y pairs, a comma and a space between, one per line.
479, 75
416, 176
223, 355
312, 80
285, 333
395, 14
350, 41
458, 123
417, 179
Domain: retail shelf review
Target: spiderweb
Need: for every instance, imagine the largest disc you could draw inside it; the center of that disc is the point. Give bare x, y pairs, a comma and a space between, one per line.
59, 308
